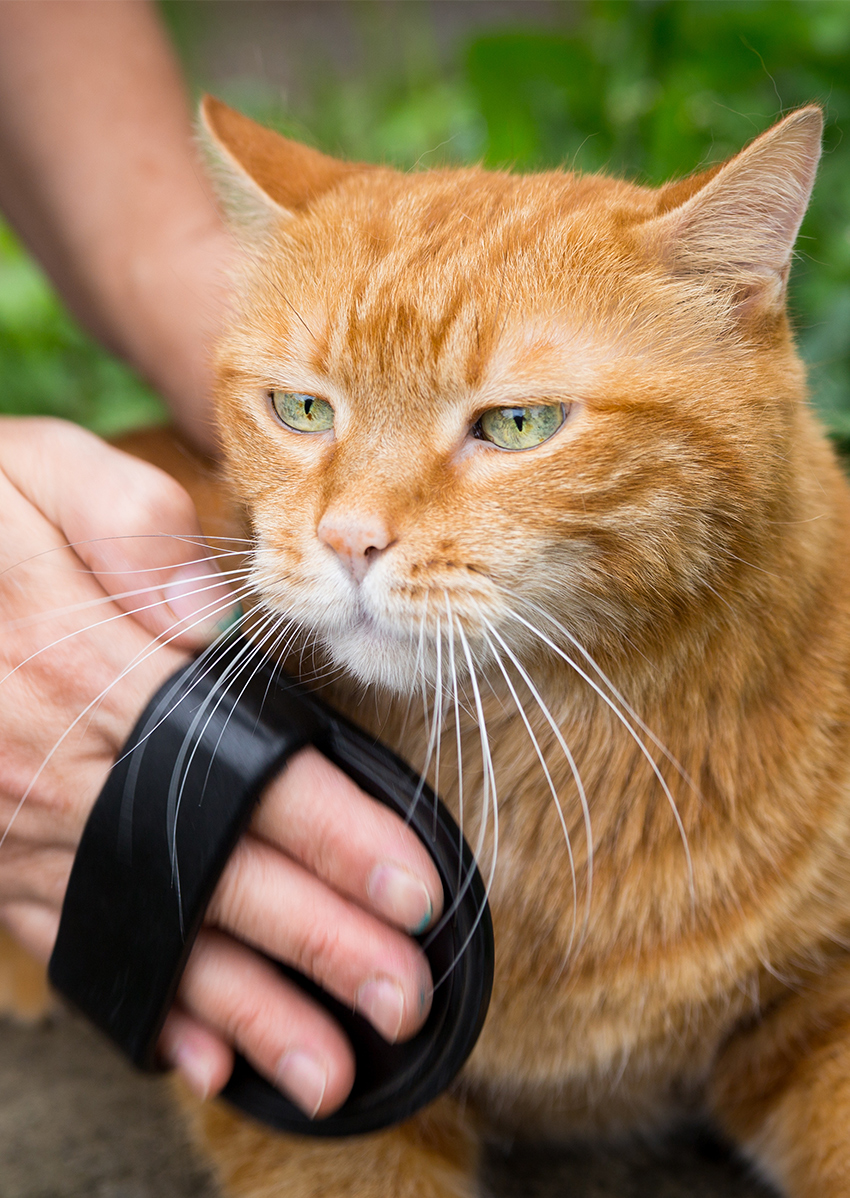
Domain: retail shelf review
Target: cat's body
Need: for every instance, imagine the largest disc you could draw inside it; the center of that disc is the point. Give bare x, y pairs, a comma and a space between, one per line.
668, 574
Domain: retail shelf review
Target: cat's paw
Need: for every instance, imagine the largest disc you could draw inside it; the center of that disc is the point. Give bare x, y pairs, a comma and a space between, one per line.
434, 1155
24, 991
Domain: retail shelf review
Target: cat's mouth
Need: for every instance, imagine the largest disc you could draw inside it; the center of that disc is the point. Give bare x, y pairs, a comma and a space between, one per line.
399, 654
384, 633
376, 630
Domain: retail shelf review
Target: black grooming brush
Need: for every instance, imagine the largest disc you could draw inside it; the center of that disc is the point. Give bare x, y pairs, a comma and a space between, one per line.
158, 838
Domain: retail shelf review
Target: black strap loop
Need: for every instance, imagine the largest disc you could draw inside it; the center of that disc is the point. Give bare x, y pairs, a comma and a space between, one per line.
158, 838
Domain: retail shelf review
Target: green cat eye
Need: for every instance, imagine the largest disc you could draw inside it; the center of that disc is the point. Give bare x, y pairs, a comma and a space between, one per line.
521, 428
304, 413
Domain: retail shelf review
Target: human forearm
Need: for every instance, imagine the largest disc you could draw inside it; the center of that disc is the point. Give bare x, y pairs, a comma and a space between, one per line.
98, 173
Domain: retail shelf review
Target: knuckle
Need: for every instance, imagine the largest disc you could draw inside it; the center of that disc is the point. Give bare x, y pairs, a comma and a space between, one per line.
228, 907
316, 951
61, 441
152, 500
61, 433
247, 1025
325, 852
49, 440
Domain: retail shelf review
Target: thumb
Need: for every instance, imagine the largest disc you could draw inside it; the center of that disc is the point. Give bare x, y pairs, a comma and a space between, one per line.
132, 524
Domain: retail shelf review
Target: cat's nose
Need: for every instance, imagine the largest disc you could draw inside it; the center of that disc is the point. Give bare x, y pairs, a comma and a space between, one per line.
356, 538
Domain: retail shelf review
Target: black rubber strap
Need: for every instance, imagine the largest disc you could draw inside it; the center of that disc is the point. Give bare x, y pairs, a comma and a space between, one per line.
158, 839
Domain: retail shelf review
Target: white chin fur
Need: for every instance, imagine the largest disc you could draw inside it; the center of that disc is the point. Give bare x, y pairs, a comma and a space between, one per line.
399, 664
393, 665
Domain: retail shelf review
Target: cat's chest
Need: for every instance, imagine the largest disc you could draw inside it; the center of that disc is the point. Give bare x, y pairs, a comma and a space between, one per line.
636, 924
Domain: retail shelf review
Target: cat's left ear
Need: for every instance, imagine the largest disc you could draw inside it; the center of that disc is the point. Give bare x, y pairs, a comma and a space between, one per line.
262, 177
738, 229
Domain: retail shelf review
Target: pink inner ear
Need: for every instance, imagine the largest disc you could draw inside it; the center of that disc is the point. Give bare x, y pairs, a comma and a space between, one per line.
290, 174
745, 219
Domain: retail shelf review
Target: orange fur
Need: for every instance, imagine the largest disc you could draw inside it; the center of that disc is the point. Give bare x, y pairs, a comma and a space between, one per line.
688, 526
434, 1155
24, 993
687, 529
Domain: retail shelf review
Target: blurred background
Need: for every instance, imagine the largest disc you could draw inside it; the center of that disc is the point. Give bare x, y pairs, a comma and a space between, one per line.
647, 88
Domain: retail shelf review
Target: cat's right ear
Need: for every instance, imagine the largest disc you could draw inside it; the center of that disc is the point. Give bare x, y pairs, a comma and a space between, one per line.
261, 176
734, 227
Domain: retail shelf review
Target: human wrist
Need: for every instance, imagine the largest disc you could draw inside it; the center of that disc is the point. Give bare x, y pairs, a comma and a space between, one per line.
101, 179
164, 293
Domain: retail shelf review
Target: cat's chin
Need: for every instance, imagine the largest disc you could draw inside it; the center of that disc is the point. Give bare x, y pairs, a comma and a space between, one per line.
393, 665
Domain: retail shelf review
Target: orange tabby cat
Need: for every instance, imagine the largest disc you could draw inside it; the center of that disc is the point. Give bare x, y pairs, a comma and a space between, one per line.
543, 442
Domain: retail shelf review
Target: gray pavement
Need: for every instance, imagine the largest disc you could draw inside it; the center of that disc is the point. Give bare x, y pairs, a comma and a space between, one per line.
76, 1122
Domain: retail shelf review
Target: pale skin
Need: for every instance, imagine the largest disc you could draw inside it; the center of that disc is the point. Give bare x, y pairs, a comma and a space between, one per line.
99, 175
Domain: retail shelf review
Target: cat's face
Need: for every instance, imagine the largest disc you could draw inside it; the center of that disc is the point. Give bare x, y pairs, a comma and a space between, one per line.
461, 407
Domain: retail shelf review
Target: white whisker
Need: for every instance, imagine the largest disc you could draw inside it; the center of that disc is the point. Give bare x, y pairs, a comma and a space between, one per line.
102, 600
489, 787
641, 746
201, 667
438, 713
659, 744
416, 667
553, 791
207, 559
218, 605
458, 737
199, 542
489, 793
432, 723
192, 742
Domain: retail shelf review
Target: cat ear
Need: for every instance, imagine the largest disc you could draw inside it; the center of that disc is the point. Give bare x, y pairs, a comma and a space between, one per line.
739, 226
261, 175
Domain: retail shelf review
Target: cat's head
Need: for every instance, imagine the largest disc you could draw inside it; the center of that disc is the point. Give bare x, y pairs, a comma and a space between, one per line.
464, 408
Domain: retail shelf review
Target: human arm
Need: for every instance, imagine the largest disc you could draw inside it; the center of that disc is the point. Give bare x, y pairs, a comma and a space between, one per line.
100, 177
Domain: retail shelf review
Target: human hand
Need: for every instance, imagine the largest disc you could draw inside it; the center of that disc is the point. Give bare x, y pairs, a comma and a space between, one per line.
105, 585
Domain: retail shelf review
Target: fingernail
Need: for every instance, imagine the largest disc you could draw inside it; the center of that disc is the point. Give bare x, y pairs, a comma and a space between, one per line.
382, 1002
196, 595
400, 896
304, 1079
194, 1067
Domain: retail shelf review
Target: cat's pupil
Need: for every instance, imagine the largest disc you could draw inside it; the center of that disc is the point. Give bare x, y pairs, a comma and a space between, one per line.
308, 403
518, 421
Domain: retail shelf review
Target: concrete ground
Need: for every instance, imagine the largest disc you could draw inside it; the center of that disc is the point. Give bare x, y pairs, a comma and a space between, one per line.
77, 1122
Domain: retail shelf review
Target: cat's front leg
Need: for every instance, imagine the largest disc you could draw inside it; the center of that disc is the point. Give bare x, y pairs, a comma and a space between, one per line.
433, 1155
782, 1090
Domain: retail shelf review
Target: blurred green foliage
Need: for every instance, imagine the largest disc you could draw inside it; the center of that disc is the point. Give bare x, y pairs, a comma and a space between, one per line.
649, 88
48, 367
654, 90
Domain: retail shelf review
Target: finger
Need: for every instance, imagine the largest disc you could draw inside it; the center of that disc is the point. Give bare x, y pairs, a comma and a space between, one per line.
131, 523
203, 1059
273, 903
227, 996
33, 925
290, 1040
318, 816
36, 873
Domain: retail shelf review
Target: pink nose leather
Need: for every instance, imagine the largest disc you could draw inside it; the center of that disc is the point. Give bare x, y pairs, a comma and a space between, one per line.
356, 539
